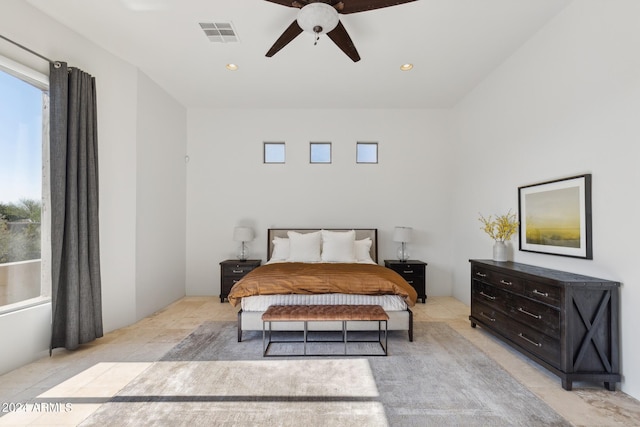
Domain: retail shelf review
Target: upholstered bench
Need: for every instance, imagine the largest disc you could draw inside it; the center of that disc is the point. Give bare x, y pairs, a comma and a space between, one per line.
324, 313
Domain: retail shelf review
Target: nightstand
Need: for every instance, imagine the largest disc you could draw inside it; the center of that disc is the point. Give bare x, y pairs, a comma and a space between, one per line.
414, 272
231, 271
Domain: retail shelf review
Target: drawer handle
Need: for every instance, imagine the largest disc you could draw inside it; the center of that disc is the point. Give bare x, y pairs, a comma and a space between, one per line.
542, 294
238, 271
487, 316
410, 282
535, 316
407, 271
235, 281
537, 344
504, 282
480, 274
492, 298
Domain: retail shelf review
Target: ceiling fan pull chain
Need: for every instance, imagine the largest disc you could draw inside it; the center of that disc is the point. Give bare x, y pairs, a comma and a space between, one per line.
317, 30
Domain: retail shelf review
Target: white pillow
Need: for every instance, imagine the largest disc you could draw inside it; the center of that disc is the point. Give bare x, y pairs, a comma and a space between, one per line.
338, 246
304, 247
363, 250
280, 249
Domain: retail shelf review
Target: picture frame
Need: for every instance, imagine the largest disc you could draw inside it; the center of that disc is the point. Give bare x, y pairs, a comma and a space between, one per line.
555, 217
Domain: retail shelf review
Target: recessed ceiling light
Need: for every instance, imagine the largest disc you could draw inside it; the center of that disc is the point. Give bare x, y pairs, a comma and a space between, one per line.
406, 67
232, 67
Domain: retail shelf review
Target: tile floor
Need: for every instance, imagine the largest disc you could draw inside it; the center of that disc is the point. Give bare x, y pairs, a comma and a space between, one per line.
69, 386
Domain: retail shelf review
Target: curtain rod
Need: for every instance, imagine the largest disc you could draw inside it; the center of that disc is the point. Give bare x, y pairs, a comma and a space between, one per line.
55, 63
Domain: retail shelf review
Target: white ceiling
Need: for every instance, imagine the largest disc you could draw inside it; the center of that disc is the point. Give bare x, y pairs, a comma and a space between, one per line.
453, 44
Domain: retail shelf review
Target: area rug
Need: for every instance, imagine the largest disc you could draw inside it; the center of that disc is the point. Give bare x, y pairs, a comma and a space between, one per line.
440, 379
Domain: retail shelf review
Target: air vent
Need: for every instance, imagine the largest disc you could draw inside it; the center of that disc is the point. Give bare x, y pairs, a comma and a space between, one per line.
219, 32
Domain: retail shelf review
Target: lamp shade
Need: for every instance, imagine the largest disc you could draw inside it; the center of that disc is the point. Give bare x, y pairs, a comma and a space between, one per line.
402, 234
242, 234
318, 18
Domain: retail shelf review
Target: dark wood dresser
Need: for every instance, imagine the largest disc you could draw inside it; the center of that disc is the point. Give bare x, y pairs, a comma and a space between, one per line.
566, 322
231, 271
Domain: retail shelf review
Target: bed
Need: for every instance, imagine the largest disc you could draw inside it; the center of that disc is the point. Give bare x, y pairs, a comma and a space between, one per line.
322, 266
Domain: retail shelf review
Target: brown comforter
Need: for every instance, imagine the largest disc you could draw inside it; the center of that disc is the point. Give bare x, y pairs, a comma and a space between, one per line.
322, 278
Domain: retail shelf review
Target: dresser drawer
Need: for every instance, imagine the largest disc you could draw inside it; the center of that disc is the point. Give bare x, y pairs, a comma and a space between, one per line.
543, 346
544, 293
498, 279
488, 314
538, 316
491, 296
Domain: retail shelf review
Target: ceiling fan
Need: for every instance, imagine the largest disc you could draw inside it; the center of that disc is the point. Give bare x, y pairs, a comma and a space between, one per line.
321, 17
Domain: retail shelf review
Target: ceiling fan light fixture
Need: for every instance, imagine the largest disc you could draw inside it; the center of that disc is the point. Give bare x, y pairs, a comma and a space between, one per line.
318, 18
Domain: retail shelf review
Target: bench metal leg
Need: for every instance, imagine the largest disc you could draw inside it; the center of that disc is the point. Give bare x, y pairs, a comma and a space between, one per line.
344, 334
264, 345
305, 339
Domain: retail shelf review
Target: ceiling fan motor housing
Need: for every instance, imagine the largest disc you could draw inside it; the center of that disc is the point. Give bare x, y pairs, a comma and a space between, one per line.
318, 18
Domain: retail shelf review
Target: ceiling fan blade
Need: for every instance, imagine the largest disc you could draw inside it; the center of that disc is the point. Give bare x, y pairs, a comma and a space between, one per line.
290, 3
354, 6
289, 34
343, 41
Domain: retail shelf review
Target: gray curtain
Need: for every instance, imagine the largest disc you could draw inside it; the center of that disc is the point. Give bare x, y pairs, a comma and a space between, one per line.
75, 264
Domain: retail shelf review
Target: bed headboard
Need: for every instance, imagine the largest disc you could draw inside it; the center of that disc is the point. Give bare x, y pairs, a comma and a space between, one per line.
361, 233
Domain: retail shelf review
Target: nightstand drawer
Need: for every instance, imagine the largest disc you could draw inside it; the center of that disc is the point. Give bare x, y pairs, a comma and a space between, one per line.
228, 282
408, 270
236, 270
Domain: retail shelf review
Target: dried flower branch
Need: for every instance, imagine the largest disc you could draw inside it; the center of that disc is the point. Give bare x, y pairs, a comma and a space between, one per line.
501, 228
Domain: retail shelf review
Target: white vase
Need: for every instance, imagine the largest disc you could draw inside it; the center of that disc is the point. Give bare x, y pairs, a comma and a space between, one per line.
499, 251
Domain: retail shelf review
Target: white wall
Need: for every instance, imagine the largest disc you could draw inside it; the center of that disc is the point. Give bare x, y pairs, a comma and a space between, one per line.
228, 184
119, 98
567, 103
161, 198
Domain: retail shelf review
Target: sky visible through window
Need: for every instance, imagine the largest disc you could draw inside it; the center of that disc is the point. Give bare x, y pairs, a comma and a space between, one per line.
20, 140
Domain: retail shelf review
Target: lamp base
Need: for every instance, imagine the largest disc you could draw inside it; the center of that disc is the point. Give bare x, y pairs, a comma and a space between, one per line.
243, 252
403, 253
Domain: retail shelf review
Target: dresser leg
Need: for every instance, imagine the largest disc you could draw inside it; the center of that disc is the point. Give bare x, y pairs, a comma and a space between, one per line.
611, 386
567, 384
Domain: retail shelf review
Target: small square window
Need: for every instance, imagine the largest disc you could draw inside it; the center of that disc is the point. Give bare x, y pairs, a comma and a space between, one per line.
320, 152
274, 152
367, 152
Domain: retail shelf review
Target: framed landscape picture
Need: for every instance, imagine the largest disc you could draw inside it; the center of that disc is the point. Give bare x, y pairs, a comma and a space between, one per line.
555, 217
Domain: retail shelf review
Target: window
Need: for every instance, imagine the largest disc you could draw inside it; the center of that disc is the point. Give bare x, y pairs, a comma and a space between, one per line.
367, 152
320, 152
24, 138
274, 152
